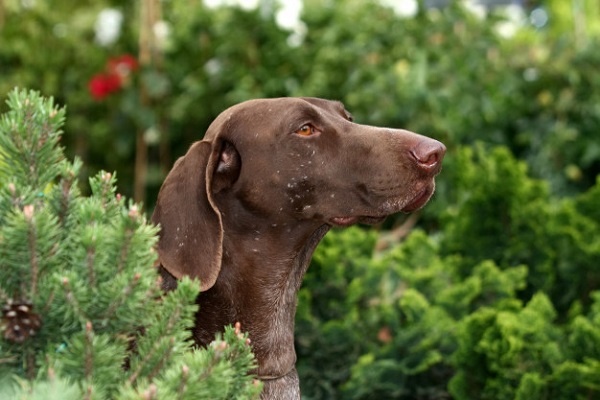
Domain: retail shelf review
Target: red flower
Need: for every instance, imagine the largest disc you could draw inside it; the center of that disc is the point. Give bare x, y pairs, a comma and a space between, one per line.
118, 71
122, 65
101, 85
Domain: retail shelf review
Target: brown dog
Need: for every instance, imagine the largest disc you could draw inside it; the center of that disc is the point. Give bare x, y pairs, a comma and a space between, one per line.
245, 208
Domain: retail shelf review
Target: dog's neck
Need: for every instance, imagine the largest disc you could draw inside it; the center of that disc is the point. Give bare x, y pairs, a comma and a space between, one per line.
261, 273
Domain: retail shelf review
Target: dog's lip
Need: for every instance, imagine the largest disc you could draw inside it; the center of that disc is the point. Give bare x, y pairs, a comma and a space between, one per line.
343, 221
420, 199
363, 219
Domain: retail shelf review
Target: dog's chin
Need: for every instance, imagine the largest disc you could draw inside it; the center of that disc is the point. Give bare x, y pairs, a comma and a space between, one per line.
416, 202
371, 220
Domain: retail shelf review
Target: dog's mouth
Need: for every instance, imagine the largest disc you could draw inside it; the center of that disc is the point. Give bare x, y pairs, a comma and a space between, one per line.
347, 221
418, 201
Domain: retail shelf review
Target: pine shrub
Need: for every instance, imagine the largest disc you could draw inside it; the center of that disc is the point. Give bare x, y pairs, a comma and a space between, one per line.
83, 315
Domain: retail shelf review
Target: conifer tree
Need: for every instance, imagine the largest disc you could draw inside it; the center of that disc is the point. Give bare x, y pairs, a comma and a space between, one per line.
82, 313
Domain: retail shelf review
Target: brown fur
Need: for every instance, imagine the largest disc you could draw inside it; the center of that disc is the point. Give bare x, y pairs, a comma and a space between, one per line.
245, 208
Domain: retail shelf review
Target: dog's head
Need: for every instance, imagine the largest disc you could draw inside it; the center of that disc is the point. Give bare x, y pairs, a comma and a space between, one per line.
283, 161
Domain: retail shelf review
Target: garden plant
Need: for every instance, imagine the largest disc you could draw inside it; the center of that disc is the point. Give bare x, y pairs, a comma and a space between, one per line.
491, 292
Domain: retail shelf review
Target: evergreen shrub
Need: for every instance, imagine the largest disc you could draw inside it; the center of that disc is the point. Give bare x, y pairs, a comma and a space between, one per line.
83, 315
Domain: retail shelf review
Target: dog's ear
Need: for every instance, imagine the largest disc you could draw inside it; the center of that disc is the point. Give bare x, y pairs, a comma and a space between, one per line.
191, 237
227, 169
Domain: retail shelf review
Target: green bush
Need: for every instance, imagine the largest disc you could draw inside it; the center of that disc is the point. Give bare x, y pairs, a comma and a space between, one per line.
495, 293
82, 312
499, 304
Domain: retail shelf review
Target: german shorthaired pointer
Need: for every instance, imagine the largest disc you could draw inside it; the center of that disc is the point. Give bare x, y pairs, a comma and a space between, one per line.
245, 208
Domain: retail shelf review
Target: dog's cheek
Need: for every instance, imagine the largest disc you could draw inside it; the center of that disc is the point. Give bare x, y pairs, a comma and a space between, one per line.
301, 195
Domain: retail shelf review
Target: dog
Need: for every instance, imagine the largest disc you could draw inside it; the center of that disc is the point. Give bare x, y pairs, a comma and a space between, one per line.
244, 209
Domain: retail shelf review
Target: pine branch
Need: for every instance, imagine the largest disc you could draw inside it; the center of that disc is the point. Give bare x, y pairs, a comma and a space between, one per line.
89, 393
151, 393
89, 352
4, 297
185, 373
66, 185
158, 345
107, 187
16, 200
91, 255
28, 211
33, 131
49, 302
72, 300
124, 297
64, 195
30, 363
166, 356
124, 249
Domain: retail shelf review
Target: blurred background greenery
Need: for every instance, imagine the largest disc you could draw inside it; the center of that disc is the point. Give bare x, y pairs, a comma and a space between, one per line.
492, 291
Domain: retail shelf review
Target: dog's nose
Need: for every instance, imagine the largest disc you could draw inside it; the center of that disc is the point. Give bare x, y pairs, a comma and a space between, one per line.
429, 154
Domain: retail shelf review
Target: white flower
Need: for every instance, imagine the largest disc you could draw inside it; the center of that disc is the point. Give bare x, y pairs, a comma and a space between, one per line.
248, 4
515, 19
402, 8
212, 3
288, 18
476, 8
161, 30
108, 26
213, 66
243, 4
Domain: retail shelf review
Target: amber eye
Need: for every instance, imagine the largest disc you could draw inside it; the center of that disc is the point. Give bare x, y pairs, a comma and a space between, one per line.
306, 130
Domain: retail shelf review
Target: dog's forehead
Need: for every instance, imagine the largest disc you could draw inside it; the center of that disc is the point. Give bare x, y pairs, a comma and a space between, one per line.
271, 115
278, 108
286, 105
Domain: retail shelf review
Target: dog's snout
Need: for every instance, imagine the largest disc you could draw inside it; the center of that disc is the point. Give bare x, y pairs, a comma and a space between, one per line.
429, 154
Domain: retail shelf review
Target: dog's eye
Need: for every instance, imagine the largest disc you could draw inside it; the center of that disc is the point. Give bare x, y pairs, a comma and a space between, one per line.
306, 130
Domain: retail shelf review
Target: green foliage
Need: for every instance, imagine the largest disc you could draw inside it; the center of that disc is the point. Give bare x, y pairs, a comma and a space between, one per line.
216, 372
82, 267
501, 214
501, 304
512, 347
328, 314
495, 295
445, 73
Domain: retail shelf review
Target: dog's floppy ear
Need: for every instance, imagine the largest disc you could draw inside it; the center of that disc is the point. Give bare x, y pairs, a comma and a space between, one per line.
191, 236
227, 170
